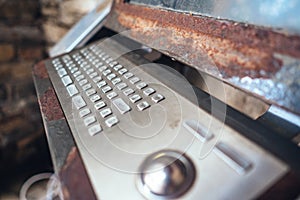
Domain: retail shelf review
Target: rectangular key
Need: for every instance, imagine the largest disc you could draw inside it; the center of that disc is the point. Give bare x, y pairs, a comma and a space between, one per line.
128, 75
134, 98
143, 105
106, 72
61, 72
97, 79
118, 67
106, 89
72, 90
116, 81
84, 112
157, 98
148, 91
95, 98
123, 71
112, 95
233, 158
100, 105
128, 91
90, 92
134, 80
95, 129
104, 113
78, 102
121, 86
111, 121
121, 105
111, 76
83, 82
101, 84
89, 120
141, 85
93, 75
66, 80
80, 77
86, 86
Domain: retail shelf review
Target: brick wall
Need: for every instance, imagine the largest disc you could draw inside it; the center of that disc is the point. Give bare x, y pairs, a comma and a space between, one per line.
28, 28
21, 44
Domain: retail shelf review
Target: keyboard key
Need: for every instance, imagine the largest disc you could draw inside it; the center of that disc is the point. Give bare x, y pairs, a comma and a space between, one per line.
95, 129
73, 70
106, 89
148, 91
112, 95
101, 84
96, 61
93, 75
83, 82
62, 72
89, 71
101, 69
84, 112
66, 80
111, 76
86, 87
72, 90
121, 86
77, 74
78, 102
157, 98
58, 66
121, 105
99, 105
123, 71
143, 105
97, 79
128, 91
141, 85
134, 80
134, 98
118, 67
104, 113
89, 120
106, 72
116, 81
105, 57
112, 64
78, 78
109, 60
95, 98
90, 92
128, 75
111, 121
97, 65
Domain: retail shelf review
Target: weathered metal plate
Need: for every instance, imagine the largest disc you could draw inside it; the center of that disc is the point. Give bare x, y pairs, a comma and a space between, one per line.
254, 59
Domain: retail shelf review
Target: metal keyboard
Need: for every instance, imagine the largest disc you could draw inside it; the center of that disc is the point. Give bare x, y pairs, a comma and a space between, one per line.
92, 70
129, 122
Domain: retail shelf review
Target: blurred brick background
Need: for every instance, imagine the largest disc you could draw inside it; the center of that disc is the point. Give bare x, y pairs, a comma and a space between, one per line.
28, 28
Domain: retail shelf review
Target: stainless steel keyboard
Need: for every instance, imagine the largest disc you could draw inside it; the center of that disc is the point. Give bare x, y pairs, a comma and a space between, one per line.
129, 122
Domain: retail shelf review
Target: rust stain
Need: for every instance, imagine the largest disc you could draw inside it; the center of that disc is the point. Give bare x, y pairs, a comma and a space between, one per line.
236, 49
50, 106
40, 70
74, 178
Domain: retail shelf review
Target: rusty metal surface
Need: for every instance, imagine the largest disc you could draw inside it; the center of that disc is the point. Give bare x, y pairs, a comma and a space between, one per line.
65, 157
277, 14
76, 184
225, 49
